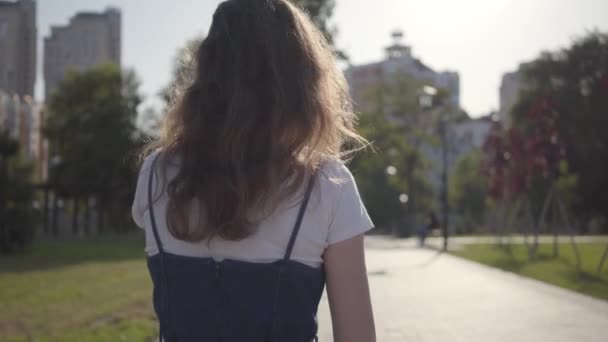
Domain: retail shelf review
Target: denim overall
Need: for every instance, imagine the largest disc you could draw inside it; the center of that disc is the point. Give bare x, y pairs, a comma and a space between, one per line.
200, 299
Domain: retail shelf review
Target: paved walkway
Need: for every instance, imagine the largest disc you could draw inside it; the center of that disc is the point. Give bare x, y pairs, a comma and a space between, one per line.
421, 295
456, 242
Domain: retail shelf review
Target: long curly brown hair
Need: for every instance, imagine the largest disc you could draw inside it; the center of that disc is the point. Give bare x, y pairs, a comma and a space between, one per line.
268, 105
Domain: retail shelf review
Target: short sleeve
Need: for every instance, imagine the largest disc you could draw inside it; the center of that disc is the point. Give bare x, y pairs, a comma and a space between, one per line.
350, 218
138, 209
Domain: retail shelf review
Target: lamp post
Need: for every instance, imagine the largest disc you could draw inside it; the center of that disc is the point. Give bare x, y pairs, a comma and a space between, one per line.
391, 171
426, 99
444, 179
55, 167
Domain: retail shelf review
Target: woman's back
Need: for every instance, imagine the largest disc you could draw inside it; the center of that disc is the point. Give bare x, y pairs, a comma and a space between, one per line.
334, 213
266, 286
246, 204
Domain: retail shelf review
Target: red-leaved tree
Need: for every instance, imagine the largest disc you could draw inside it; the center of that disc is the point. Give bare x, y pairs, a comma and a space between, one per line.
517, 157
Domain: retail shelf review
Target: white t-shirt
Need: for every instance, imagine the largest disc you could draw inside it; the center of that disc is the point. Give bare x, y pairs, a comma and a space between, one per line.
335, 213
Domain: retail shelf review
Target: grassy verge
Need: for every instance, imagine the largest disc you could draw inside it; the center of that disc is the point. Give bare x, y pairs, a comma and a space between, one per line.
77, 291
560, 270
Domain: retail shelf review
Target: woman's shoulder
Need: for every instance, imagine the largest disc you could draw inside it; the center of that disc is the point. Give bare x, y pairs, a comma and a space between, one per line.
147, 161
334, 174
158, 156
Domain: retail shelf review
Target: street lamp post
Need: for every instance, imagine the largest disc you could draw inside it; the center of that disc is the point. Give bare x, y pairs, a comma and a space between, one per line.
427, 96
444, 180
55, 167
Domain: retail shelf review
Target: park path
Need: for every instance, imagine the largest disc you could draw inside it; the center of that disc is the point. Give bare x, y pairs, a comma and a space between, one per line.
421, 295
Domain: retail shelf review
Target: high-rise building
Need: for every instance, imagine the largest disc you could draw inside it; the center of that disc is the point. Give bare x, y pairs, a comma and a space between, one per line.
88, 40
510, 87
18, 46
363, 80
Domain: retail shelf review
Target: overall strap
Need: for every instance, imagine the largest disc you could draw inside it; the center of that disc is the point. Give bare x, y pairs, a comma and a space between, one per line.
292, 240
151, 207
161, 251
296, 228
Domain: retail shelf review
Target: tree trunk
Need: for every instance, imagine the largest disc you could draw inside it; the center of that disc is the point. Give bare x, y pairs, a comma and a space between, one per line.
529, 226
572, 232
75, 213
601, 264
45, 211
87, 216
54, 227
100, 213
555, 239
542, 219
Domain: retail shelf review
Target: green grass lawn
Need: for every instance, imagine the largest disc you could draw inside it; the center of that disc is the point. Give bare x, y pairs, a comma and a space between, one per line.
560, 270
94, 290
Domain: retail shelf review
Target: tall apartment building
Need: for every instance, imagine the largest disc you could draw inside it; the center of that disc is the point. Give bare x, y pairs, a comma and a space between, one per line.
363, 80
18, 46
88, 40
510, 87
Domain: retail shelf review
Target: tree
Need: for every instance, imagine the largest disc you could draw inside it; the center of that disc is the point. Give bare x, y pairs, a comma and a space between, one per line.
468, 192
321, 11
397, 130
92, 135
383, 174
17, 217
574, 83
183, 72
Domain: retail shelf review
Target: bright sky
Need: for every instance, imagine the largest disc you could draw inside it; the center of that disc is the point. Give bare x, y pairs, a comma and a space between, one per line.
481, 39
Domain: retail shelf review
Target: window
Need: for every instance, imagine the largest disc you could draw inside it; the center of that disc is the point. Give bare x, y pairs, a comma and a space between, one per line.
10, 78
3, 28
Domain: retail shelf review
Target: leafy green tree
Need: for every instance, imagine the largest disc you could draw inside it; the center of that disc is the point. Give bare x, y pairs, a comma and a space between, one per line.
321, 11
468, 192
92, 135
183, 72
575, 81
17, 217
397, 129
389, 168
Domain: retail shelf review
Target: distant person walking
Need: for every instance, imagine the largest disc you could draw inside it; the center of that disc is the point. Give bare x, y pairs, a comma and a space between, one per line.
431, 223
247, 207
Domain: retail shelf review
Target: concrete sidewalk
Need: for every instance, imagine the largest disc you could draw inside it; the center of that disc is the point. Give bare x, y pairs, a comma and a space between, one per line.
422, 295
456, 242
